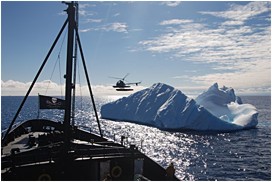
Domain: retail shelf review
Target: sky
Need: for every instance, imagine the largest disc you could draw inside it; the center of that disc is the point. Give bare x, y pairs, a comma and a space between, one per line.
189, 45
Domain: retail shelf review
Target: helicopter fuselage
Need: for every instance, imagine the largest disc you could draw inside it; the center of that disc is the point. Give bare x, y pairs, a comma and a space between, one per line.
121, 84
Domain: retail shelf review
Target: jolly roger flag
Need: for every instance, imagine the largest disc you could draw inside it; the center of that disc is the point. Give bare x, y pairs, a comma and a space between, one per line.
47, 102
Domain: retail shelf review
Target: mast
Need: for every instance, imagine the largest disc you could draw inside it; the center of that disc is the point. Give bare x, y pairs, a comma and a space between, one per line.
69, 70
75, 67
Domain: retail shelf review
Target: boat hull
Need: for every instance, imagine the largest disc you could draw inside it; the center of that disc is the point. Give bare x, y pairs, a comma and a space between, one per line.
35, 151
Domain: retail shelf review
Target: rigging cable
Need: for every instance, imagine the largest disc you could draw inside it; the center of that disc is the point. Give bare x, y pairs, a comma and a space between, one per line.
57, 61
60, 79
80, 89
88, 81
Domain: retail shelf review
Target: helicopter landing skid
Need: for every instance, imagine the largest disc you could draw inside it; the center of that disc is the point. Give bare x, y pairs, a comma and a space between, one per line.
124, 89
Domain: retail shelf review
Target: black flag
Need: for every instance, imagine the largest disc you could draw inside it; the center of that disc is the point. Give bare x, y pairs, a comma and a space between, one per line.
47, 102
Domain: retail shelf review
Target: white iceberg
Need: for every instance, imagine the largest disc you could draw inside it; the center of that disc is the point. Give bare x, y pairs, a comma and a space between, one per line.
167, 108
224, 104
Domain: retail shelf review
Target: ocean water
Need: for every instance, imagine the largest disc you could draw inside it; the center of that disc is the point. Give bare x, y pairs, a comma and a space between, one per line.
243, 155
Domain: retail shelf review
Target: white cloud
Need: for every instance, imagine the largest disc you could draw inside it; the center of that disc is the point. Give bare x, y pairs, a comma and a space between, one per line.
12, 84
182, 77
83, 12
47, 87
85, 30
171, 3
12, 87
116, 27
175, 22
232, 23
242, 53
241, 13
90, 20
82, 9
83, 6
240, 80
116, 14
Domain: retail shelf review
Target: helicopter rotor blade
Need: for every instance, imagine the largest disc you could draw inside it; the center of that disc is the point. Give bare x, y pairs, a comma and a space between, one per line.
125, 77
115, 78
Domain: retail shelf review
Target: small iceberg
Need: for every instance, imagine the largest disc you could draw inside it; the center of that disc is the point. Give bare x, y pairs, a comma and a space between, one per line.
164, 107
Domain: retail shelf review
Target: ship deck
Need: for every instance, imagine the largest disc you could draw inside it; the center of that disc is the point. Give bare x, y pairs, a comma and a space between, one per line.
22, 143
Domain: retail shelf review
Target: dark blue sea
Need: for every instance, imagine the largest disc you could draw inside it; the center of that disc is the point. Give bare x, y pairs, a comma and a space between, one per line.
243, 155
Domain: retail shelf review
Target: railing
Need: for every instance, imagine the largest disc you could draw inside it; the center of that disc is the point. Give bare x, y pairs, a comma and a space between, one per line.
52, 153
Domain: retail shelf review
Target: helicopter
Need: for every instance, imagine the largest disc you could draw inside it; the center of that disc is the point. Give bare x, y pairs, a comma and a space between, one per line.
122, 86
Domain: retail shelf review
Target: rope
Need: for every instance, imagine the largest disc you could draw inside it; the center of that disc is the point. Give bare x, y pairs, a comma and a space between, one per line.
57, 61
80, 89
60, 79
